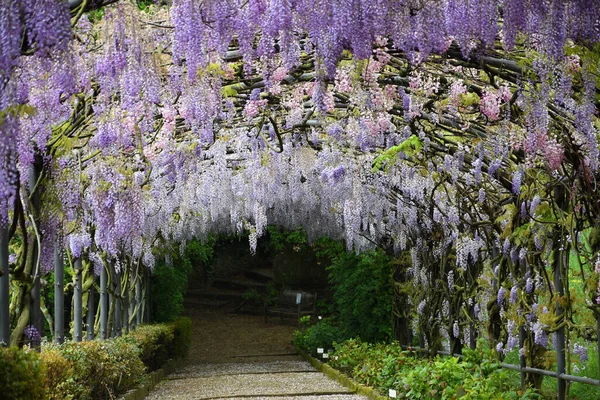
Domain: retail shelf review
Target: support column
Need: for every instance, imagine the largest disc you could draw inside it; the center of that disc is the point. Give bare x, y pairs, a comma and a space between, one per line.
560, 333
59, 294
139, 303
4, 277
147, 315
37, 318
91, 313
77, 303
103, 304
118, 325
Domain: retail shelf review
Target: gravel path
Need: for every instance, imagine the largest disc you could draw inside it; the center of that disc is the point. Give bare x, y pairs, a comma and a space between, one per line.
241, 357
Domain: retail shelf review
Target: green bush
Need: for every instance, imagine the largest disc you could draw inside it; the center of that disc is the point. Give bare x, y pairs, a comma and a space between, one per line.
154, 342
387, 366
321, 335
182, 337
362, 290
98, 369
22, 374
168, 283
58, 370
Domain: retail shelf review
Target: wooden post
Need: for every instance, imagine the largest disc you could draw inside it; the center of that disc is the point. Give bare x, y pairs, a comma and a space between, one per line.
59, 294
4, 295
77, 303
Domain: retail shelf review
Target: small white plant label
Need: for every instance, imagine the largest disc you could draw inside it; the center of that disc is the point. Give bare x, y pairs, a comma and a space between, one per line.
298, 298
325, 355
393, 393
320, 350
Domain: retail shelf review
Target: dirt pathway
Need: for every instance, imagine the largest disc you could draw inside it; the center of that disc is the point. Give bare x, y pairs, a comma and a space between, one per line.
239, 356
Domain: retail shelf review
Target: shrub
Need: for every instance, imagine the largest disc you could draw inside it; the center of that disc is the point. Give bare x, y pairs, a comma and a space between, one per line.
323, 334
387, 366
169, 281
154, 342
168, 287
182, 337
100, 369
21, 374
58, 370
362, 290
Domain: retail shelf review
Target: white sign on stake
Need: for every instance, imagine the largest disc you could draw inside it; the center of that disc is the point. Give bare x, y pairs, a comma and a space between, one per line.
393, 393
320, 350
325, 355
298, 298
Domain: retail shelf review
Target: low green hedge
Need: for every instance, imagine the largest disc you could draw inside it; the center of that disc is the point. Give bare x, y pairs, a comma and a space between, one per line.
92, 370
98, 369
22, 374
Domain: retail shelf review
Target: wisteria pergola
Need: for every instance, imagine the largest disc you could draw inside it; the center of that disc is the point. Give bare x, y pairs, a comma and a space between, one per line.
462, 131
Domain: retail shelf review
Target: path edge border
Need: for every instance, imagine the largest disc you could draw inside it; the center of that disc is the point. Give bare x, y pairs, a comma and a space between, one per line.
153, 379
342, 378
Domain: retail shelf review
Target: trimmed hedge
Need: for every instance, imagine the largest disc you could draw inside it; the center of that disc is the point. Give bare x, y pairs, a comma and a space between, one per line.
99, 369
22, 374
92, 370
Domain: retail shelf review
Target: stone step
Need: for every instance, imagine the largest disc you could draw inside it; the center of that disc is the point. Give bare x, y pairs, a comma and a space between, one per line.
260, 274
200, 302
213, 294
239, 283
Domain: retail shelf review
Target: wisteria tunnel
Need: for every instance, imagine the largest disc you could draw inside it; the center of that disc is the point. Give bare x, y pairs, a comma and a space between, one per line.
427, 169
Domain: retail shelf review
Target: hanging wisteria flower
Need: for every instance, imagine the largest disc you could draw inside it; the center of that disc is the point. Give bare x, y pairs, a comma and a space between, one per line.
529, 285
513, 294
490, 105
32, 334
581, 351
517, 181
540, 335
501, 294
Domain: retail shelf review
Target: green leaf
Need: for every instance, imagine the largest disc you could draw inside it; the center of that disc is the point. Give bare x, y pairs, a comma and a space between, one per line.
410, 147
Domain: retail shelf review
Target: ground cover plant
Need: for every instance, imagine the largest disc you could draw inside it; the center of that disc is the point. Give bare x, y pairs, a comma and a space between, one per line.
387, 366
